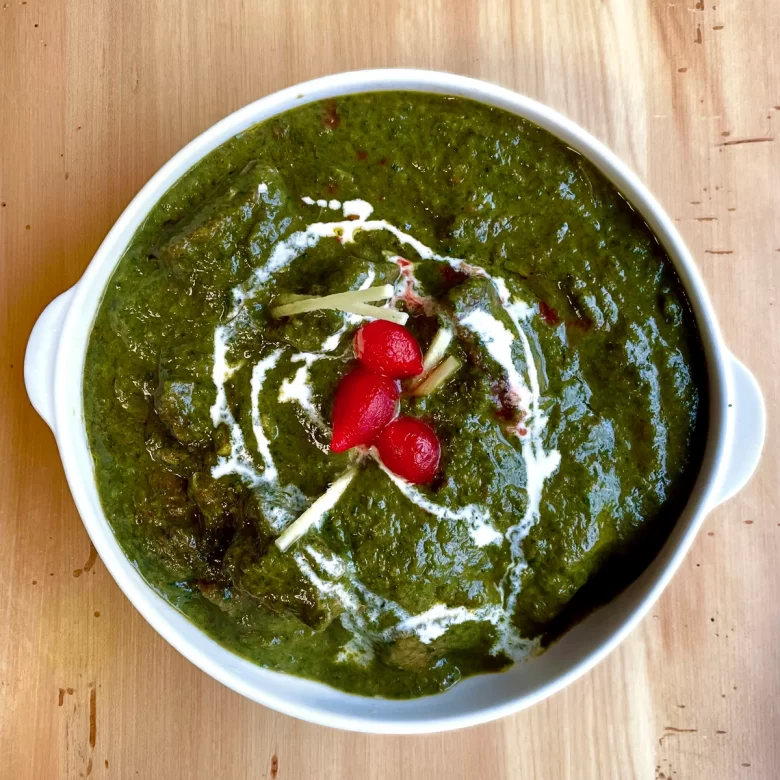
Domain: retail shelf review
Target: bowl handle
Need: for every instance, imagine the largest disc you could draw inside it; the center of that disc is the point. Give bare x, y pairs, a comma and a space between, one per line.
748, 423
41, 354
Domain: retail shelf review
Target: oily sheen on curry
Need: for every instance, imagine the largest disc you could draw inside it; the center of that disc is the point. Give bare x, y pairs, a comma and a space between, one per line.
562, 380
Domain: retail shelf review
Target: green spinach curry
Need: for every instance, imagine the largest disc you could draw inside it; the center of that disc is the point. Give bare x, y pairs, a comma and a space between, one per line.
570, 433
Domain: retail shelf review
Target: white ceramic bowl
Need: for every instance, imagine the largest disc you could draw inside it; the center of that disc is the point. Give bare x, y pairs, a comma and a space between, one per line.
53, 370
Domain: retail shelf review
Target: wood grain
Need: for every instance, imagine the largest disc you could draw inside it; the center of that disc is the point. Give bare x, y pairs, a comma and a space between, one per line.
95, 96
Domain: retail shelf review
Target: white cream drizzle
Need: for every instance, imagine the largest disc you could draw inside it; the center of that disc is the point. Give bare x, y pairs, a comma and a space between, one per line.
539, 464
334, 339
407, 288
483, 533
364, 608
240, 461
337, 577
299, 389
334, 566
220, 373
263, 445
434, 622
284, 252
477, 517
497, 339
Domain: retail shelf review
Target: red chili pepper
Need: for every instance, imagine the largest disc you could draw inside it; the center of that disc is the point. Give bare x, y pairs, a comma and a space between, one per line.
388, 349
410, 448
363, 405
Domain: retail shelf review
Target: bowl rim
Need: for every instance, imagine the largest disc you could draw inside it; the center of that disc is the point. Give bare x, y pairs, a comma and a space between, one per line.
70, 431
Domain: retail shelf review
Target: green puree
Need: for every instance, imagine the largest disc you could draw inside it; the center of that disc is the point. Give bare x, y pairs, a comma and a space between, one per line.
618, 359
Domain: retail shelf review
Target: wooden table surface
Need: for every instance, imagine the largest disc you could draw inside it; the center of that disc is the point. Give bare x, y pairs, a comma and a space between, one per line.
95, 96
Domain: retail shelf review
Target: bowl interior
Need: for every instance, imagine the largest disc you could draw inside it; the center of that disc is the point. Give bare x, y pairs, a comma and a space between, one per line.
477, 699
